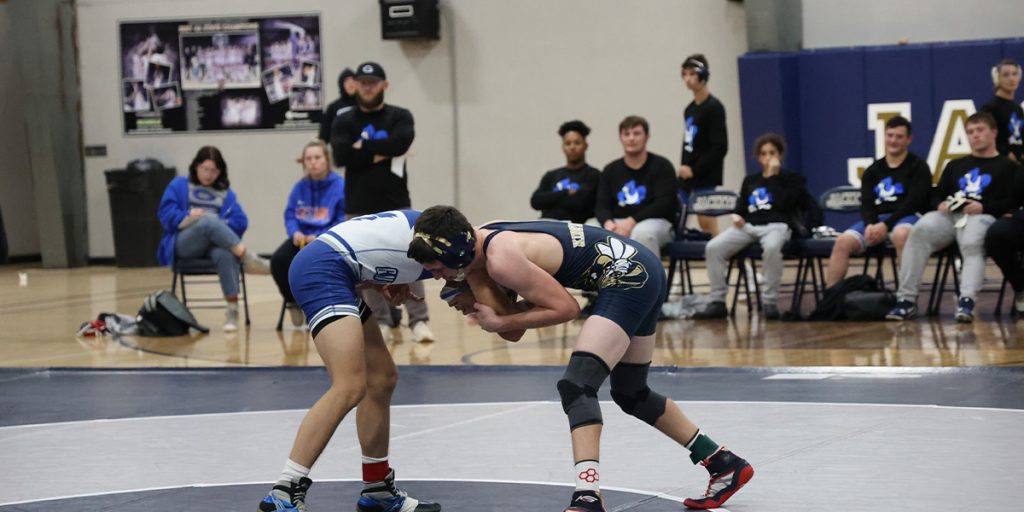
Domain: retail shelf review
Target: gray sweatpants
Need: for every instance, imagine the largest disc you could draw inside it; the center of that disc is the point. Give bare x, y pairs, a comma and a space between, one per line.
936, 231
416, 309
772, 236
210, 237
652, 234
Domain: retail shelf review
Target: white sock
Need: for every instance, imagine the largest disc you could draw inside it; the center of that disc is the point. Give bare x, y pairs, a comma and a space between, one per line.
588, 475
293, 471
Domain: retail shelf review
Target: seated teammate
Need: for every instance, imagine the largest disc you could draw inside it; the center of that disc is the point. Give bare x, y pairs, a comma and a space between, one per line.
893, 195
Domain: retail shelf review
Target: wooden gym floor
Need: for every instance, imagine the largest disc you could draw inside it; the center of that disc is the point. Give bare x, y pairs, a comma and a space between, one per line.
40, 319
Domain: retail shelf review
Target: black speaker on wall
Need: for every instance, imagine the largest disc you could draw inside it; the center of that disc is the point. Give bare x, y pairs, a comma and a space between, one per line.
410, 19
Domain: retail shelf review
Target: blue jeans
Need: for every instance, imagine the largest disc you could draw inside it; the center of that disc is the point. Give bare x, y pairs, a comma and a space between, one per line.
211, 238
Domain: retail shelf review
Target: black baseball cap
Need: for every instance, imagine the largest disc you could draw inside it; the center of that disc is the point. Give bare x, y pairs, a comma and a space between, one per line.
370, 69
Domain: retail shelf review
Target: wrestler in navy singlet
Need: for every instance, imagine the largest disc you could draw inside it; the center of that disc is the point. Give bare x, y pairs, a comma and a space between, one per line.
627, 276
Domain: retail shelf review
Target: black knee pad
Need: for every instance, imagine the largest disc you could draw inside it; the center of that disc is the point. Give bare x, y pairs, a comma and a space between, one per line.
578, 388
631, 393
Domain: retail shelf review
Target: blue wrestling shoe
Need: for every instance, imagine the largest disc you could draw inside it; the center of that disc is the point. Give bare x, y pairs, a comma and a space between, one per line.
286, 497
384, 496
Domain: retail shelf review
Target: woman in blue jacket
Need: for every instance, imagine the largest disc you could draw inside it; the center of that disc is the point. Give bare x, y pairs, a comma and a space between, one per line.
202, 219
317, 203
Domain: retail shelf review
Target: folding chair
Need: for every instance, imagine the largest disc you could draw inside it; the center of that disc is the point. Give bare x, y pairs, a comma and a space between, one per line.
686, 248
199, 270
812, 252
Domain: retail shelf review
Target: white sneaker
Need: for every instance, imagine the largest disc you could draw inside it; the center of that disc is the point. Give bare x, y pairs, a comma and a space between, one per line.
255, 264
231, 319
297, 316
1018, 303
387, 332
421, 332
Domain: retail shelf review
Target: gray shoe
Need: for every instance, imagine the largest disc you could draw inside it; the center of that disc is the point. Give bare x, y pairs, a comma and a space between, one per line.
713, 310
1018, 304
254, 264
771, 312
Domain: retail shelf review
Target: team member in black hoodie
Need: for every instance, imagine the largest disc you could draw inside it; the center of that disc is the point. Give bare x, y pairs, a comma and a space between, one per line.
368, 141
1008, 113
893, 195
568, 193
636, 196
980, 188
347, 87
705, 141
766, 203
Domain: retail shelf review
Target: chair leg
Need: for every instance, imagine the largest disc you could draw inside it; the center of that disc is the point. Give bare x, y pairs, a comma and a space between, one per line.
184, 296
942, 285
245, 296
174, 282
798, 291
739, 278
668, 289
895, 273
689, 278
280, 317
956, 276
818, 281
999, 301
879, 274
934, 292
757, 286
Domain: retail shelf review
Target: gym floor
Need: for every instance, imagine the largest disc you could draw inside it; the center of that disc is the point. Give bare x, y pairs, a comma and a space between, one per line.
920, 415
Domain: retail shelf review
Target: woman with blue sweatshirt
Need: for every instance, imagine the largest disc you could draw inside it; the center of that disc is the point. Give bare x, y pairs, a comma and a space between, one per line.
202, 219
317, 203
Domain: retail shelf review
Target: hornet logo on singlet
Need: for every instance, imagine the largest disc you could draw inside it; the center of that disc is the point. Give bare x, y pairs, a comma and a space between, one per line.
974, 183
566, 184
689, 135
371, 133
887, 192
1015, 126
760, 199
630, 194
613, 267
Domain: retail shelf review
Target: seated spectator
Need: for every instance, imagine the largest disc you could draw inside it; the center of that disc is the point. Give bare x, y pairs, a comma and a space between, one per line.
568, 193
317, 203
636, 195
768, 201
893, 195
1004, 243
972, 193
202, 219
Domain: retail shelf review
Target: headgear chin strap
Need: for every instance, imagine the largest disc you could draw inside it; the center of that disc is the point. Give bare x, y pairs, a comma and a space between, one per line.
456, 251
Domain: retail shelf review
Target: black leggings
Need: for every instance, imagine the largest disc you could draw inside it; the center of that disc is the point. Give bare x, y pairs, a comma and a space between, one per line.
1004, 241
279, 263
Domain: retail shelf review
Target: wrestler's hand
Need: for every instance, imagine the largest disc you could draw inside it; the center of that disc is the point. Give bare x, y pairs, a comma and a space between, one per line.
464, 302
397, 294
486, 318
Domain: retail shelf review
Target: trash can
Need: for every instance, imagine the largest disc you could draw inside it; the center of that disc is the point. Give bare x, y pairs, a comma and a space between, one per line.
134, 197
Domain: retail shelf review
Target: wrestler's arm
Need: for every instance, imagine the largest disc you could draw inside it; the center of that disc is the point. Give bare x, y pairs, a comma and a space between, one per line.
508, 266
